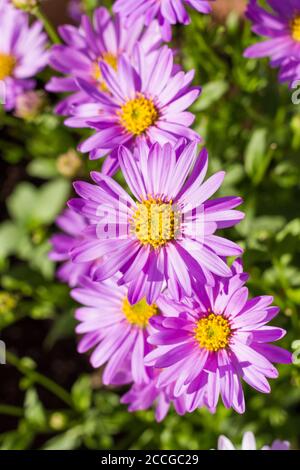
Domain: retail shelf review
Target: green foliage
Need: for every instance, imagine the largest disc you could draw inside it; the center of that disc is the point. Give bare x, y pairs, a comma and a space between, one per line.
252, 129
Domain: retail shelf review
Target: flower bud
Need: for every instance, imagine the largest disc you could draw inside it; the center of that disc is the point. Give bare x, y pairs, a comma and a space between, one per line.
68, 164
29, 105
26, 5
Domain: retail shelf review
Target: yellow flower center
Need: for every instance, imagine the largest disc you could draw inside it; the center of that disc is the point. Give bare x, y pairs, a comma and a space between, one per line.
295, 28
7, 65
213, 332
137, 115
109, 59
140, 313
156, 222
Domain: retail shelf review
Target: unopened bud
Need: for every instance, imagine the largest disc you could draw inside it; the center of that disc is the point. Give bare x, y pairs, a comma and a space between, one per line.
26, 5
69, 164
29, 105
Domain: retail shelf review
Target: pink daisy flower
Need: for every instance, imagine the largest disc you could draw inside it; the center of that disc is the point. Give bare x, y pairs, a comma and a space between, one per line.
22, 53
104, 38
249, 443
145, 103
212, 340
146, 395
116, 331
166, 233
72, 224
168, 12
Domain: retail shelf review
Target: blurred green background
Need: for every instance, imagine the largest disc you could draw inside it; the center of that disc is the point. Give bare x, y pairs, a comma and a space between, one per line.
50, 397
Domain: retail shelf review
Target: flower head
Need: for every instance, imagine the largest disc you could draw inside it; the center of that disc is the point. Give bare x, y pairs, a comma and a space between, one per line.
22, 53
165, 233
209, 342
282, 28
249, 443
143, 396
290, 72
116, 331
146, 102
105, 38
168, 12
72, 224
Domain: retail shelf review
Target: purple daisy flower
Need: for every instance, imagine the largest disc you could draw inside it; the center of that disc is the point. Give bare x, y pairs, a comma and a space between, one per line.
168, 12
290, 72
281, 26
115, 330
144, 396
75, 10
211, 341
147, 103
72, 225
249, 443
22, 53
166, 233
103, 39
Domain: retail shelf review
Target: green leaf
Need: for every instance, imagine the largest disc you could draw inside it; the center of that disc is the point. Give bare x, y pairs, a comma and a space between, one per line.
9, 236
43, 168
34, 410
39, 260
211, 92
66, 441
257, 158
16, 440
82, 393
292, 228
51, 199
294, 295
22, 201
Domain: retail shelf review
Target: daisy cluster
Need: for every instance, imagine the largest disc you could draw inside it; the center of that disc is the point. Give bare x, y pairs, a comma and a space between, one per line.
162, 310
280, 24
22, 54
249, 443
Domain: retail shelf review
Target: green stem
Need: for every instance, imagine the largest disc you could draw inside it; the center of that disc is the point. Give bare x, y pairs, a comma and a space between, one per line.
11, 410
40, 379
48, 25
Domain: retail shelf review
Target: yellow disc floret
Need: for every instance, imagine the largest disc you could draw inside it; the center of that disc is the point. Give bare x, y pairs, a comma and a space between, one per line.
295, 28
140, 313
213, 332
7, 65
137, 115
155, 222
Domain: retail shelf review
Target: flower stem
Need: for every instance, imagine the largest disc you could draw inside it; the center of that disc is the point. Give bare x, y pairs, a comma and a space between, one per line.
47, 25
40, 379
11, 410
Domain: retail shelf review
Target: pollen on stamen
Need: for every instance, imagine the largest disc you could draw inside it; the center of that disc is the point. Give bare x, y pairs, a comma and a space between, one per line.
213, 332
137, 115
156, 222
7, 65
295, 28
140, 313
